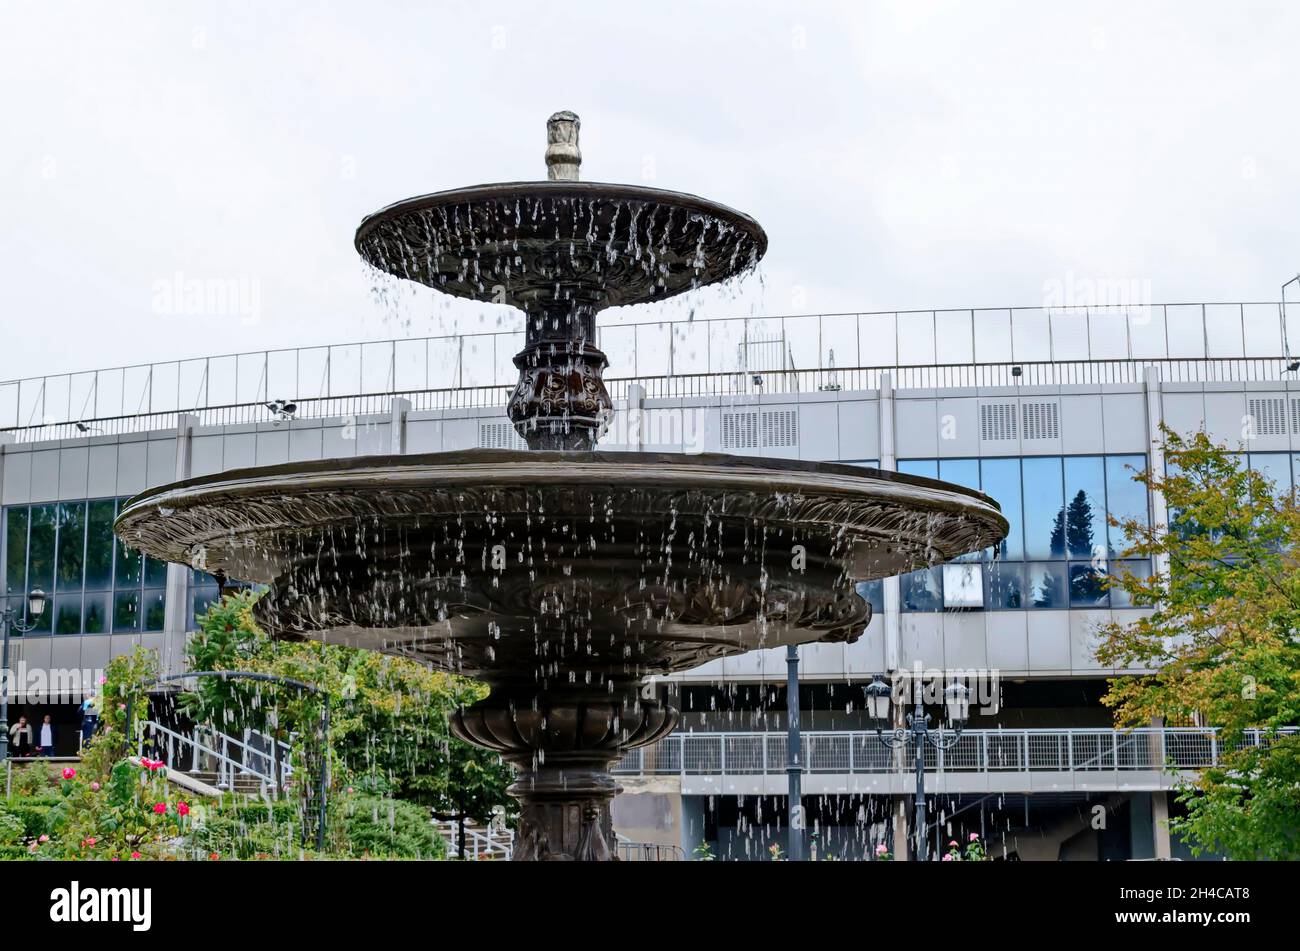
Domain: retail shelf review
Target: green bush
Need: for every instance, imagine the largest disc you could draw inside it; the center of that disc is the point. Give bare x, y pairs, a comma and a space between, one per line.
390, 828
35, 814
238, 828
12, 829
34, 779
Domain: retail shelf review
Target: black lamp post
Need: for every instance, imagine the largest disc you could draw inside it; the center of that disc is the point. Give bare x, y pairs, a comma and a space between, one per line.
956, 699
9, 621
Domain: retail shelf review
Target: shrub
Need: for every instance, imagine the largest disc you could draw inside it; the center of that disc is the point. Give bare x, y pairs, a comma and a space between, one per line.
390, 828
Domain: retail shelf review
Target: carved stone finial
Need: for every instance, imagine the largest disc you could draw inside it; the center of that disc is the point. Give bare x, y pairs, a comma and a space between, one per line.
563, 157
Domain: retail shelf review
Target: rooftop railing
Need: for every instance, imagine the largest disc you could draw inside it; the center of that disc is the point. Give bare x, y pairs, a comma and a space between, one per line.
676, 359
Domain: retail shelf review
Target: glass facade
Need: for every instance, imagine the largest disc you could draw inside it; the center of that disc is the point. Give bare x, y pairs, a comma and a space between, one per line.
1060, 546
96, 584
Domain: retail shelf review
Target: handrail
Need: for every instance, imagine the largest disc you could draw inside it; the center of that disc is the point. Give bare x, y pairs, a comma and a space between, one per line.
1133, 333
984, 751
490, 842
228, 766
357, 408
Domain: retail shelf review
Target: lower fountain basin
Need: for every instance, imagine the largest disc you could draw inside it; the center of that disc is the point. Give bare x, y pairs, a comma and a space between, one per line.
605, 565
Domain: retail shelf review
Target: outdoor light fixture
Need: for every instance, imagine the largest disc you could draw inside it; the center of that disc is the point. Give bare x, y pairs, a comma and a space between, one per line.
1293, 366
757, 379
1017, 371
956, 698
86, 427
284, 409
878, 699
36, 602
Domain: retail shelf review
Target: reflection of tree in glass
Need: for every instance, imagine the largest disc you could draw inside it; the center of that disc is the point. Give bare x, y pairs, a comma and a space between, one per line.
1073, 526
1042, 589
1087, 584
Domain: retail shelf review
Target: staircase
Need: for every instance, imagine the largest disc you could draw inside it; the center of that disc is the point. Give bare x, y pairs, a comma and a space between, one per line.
215, 763
490, 843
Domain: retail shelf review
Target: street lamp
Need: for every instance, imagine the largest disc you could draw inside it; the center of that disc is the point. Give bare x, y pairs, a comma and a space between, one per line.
957, 701
9, 621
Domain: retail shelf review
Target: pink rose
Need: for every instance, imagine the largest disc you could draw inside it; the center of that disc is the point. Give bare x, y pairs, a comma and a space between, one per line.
102, 680
91, 841
135, 855
69, 772
94, 787
182, 808
44, 838
881, 849
974, 836
160, 807
953, 843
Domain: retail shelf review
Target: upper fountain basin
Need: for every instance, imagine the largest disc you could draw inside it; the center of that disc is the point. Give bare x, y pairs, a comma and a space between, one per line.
537, 245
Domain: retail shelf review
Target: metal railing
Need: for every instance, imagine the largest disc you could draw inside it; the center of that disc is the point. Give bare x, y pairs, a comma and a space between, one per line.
706, 357
480, 843
207, 751
844, 752
629, 851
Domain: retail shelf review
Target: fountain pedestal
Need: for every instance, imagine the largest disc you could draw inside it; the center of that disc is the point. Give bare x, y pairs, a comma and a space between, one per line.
562, 746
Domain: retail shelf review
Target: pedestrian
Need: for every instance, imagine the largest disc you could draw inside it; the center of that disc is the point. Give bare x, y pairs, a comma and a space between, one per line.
20, 738
45, 744
89, 718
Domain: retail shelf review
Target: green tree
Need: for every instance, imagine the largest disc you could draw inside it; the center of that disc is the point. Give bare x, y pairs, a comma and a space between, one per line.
476, 784
1222, 640
388, 715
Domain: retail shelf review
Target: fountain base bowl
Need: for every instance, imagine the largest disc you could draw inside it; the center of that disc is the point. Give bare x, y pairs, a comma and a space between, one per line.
600, 566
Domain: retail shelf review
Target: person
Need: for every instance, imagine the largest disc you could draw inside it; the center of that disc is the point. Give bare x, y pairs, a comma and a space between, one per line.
45, 741
20, 738
89, 718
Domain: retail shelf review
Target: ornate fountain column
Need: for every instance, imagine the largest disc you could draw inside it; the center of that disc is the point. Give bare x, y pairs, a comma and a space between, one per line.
560, 401
562, 746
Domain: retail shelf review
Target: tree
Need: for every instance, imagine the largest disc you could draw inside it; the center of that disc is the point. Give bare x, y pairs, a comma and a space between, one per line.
475, 787
1222, 640
388, 715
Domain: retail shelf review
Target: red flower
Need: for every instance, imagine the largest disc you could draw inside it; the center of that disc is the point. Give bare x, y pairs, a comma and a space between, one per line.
160, 807
215, 856
182, 808
69, 772
135, 855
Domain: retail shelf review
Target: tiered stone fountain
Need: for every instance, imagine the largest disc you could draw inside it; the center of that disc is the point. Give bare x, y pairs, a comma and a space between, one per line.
562, 576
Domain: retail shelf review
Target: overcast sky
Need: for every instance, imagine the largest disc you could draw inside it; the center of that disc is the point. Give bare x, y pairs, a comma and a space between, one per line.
900, 156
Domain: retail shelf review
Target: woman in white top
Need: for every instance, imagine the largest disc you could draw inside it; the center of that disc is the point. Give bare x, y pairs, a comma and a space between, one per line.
45, 739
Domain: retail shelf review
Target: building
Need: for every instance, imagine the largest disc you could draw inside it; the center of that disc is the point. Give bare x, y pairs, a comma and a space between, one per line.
1050, 412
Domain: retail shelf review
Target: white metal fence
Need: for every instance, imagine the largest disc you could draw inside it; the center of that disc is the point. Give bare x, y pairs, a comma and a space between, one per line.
1074, 750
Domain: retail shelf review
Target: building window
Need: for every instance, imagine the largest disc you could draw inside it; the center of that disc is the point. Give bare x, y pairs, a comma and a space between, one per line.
1060, 546
96, 584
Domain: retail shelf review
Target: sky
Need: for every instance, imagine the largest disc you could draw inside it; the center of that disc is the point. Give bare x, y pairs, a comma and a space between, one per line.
901, 156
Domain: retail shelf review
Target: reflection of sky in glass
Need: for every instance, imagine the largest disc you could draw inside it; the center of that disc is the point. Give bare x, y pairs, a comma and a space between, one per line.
1001, 481
1043, 506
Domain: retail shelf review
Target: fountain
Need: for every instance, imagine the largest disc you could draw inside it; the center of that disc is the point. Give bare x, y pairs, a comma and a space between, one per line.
562, 576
